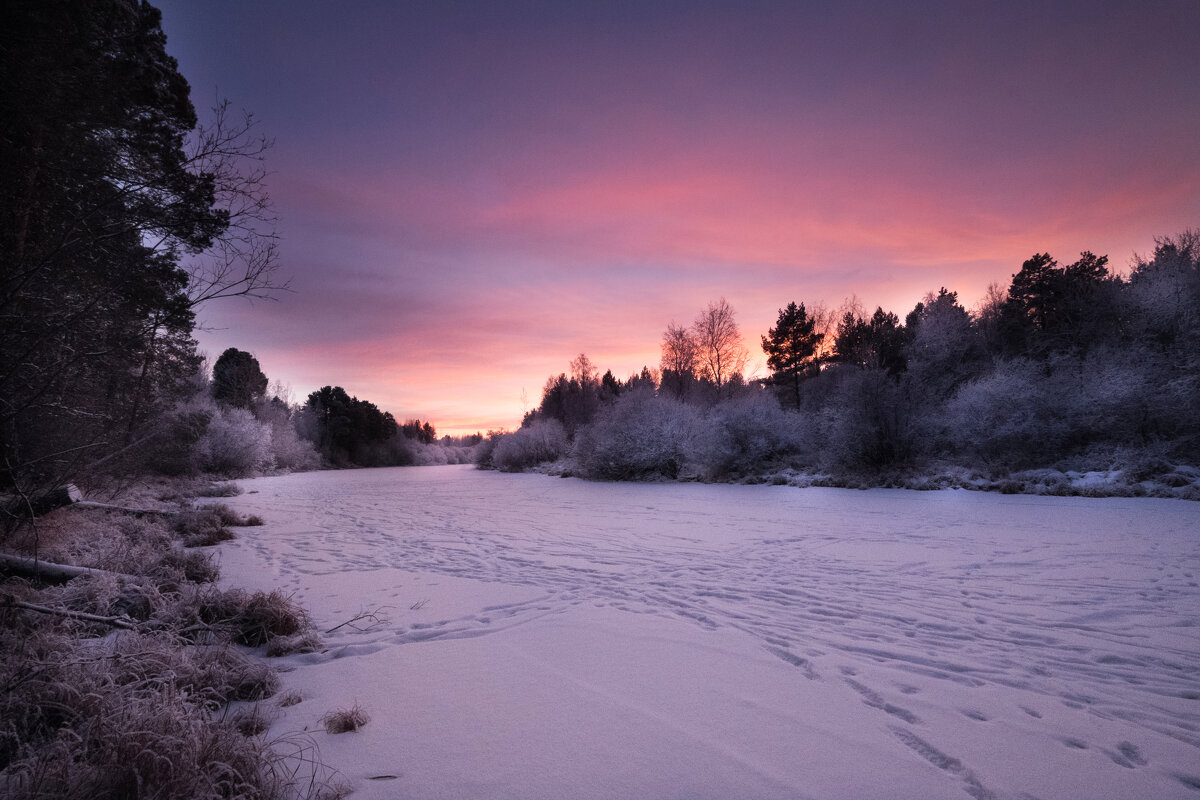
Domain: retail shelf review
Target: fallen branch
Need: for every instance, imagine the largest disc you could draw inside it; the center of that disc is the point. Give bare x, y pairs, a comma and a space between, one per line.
116, 622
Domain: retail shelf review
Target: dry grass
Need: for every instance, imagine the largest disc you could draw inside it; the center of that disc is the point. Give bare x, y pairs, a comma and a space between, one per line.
90, 712
205, 527
252, 619
126, 715
344, 720
209, 525
290, 699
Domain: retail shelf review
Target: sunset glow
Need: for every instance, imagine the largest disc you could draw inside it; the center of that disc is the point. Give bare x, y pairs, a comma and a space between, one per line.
471, 194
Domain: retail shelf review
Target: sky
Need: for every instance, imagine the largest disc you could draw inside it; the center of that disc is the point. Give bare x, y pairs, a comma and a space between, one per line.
471, 194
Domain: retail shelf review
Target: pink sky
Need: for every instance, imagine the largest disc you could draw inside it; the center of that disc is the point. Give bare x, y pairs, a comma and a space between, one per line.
473, 193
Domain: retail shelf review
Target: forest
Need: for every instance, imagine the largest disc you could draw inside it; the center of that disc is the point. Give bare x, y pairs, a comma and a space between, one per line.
1072, 370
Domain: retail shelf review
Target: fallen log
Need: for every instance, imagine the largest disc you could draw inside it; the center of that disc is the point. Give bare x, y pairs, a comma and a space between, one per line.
116, 622
46, 570
137, 512
44, 503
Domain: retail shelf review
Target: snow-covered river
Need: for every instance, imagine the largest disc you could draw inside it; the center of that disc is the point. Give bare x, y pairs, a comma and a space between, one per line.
550, 638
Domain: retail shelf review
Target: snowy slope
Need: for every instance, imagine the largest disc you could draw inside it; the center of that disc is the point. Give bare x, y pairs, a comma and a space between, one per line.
550, 638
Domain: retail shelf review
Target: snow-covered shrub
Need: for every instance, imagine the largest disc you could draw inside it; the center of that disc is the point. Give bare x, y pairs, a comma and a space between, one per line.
235, 443
543, 440
639, 436
486, 448
289, 451
458, 454
868, 425
431, 455
1006, 417
746, 433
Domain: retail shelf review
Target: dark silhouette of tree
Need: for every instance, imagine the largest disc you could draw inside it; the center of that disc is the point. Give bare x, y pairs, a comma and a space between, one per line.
1051, 308
105, 204
237, 379
852, 341
877, 343
791, 348
419, 431
644, 381
349, 431
610, 387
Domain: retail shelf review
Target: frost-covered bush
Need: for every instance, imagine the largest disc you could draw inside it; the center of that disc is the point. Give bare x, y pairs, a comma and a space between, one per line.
867, 423
639, 436
1026, 412
289, 451
543, 440
1005, 416
746, 433
234, 444
437, 454
486, 448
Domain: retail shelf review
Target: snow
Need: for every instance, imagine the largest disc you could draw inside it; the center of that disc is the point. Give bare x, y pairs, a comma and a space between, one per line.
551, 638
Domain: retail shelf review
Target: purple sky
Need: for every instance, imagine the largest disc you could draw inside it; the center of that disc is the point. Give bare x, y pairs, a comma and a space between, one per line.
473, 193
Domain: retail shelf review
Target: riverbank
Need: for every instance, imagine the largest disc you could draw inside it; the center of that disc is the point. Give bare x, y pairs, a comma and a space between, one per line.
1170, 481
125, 671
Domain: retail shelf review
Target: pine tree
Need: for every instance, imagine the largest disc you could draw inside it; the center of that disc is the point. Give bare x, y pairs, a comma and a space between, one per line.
791, 348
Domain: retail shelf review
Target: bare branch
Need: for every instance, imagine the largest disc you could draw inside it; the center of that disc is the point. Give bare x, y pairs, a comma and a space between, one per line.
244, 259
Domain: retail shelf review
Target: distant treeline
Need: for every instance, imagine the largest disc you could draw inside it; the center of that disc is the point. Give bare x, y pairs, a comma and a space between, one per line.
1072, 367
234, 425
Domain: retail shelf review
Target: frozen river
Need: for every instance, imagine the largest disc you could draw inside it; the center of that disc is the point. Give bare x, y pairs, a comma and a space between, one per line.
550, 638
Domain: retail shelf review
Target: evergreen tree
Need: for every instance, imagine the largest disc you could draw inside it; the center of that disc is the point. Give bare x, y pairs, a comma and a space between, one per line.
237, 379
791, 348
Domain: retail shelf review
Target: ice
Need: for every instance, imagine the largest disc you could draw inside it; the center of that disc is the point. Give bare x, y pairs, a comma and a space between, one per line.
551, 638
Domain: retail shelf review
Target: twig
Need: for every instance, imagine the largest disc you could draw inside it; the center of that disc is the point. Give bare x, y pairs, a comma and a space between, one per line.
377, 617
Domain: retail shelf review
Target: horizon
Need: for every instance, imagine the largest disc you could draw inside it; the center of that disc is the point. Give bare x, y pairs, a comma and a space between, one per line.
470, 196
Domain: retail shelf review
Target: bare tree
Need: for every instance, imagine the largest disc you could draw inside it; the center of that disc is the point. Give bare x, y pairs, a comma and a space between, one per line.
585, 373
720, 351
678, 360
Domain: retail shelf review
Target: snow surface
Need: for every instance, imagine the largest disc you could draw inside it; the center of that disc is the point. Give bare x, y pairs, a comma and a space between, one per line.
551, 638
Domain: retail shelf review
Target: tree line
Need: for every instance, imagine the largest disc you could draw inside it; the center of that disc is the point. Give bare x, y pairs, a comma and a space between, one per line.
1071, 366
237, 423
